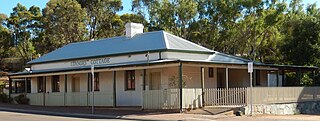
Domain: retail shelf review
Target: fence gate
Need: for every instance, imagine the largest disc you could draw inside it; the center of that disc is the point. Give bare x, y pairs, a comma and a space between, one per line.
234, 97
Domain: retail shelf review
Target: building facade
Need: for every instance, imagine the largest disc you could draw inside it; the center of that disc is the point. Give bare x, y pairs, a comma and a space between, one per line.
152, 70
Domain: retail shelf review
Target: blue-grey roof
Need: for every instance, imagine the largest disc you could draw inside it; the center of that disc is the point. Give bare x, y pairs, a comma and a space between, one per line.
136, 63
149, 41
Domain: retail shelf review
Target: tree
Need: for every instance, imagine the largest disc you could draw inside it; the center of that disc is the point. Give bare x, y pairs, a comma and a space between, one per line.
301, 43
64, 21
102, 19
173, 16
21, 24
5, 39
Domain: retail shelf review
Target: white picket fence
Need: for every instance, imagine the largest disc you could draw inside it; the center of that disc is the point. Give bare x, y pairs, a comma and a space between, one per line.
225, 97
161, 99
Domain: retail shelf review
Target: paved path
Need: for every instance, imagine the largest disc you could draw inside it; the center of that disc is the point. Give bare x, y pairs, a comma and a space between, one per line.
9, 112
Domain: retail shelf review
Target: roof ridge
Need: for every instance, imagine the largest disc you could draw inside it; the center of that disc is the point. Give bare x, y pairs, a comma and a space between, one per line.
165, 39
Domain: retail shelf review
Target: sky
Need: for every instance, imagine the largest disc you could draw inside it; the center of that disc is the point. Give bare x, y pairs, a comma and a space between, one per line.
7, 5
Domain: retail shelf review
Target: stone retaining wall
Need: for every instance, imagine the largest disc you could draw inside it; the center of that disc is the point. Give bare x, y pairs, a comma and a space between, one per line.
284, 109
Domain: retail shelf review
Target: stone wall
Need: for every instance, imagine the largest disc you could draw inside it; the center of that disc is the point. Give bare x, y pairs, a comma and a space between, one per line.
284, 109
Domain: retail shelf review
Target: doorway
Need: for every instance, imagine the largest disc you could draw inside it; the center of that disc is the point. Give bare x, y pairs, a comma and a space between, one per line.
75, 84
155, 81
221, 77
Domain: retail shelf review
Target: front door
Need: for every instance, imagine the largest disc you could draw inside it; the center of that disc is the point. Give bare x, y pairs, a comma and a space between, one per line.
75, 84
221, 77
155, 81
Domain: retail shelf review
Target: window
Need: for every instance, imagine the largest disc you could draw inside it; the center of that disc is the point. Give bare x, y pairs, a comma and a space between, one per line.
96, 82
55, 83
40, 84
210, 72
130, 80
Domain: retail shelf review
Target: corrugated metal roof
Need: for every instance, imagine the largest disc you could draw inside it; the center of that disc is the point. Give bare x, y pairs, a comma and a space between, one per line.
149, 41
136, 63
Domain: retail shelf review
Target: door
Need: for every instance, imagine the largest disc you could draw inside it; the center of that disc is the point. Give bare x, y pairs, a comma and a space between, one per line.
155, 81
76, 84
221, 78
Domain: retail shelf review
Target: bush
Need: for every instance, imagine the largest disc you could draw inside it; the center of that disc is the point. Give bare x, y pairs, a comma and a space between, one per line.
22, 99
4, 98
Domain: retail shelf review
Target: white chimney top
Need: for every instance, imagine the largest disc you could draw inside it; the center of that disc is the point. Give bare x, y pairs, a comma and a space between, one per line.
133, 29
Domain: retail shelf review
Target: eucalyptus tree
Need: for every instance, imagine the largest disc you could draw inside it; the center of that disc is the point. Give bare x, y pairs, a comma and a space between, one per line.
64, 21
21, 24
5, 38
174, 16
302, 38
102, 19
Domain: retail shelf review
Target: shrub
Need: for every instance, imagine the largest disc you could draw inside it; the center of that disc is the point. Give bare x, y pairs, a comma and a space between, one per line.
4, 98
21, 99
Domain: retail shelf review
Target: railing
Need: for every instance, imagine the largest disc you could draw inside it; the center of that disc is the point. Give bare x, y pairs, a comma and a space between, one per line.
225, 96
35, 98
192, 98
101, 98
70, 98
161, 99
54, 99
271, 95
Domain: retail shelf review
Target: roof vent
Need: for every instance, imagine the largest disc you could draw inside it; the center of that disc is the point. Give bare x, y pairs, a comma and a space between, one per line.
133, 29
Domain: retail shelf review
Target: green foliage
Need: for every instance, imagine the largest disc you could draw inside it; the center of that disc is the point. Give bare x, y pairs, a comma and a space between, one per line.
102, 19
2, 84
22, 25
21, 99
64, 22
174, 81
306, 80
4, 98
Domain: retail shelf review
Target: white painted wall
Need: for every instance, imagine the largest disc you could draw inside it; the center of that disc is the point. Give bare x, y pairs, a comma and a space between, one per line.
166, 74
192, 76
113, 60
129, 97
210, 82
106, 81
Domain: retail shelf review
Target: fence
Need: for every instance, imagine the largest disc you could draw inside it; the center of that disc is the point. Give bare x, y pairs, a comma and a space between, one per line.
271, 95
161, 99
69, 98
192, 98
225, 96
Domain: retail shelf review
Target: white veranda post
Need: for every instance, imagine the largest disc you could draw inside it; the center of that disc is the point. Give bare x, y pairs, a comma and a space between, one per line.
92, 89
250, 70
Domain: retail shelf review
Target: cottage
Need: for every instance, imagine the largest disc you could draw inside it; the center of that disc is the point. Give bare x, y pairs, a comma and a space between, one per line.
151, 70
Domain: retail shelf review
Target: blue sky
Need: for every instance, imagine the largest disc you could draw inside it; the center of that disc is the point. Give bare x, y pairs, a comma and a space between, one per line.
7, 5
